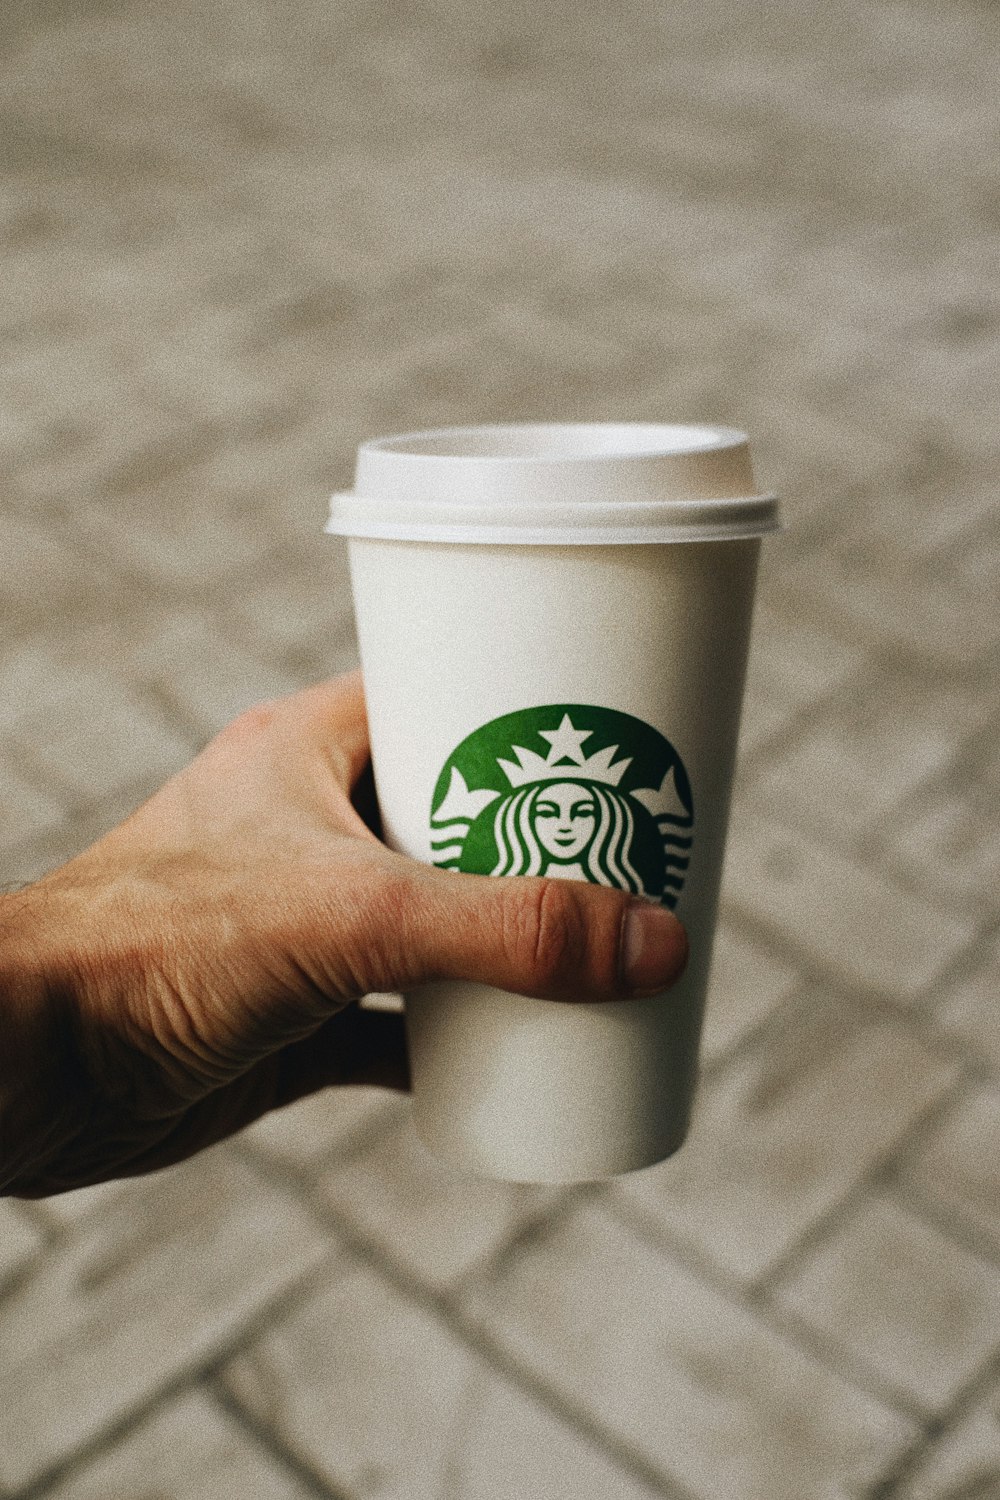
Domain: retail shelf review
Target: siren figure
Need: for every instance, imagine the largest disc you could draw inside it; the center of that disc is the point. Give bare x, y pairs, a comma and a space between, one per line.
567, 817
567, 830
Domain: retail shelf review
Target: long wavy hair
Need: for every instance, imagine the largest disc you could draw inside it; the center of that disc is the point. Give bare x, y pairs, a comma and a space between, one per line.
606, 857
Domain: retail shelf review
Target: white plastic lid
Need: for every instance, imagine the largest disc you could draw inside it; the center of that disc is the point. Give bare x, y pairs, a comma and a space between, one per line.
573, 483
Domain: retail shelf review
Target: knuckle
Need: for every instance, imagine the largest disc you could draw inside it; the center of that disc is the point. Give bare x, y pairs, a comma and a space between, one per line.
258, 718
248, 726
392, 901
548, 934
386, 952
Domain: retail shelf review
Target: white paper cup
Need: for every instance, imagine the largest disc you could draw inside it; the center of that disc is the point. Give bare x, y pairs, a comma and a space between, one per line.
553, 623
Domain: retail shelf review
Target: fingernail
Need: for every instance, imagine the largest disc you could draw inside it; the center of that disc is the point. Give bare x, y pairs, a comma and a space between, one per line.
654, 948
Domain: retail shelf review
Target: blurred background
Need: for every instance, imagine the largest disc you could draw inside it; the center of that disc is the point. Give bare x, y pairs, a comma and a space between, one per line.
238, 239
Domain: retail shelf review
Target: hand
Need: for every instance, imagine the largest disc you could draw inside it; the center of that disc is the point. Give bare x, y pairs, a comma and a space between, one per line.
199, 965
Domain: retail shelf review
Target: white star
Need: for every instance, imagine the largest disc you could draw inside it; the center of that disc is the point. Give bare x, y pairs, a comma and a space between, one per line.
565, 742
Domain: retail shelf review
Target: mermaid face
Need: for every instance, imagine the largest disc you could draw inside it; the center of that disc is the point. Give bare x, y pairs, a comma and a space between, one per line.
563, 818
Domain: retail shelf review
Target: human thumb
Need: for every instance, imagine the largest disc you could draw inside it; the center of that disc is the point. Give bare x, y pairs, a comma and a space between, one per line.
555, 939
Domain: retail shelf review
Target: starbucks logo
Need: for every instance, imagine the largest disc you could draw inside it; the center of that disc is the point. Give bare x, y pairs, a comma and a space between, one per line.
569, 791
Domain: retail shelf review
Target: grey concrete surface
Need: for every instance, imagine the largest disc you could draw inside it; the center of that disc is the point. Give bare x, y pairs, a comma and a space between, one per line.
239, 238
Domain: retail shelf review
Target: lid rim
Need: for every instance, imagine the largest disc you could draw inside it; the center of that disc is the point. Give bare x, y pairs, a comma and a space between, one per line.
527, 538
638, 522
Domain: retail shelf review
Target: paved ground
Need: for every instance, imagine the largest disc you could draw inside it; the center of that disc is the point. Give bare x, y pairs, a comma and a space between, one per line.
241, 237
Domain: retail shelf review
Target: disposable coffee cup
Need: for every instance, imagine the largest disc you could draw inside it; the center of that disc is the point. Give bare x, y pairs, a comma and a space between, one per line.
553, 622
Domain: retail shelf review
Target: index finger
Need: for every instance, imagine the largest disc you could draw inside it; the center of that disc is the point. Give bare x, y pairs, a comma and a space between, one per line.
333, 715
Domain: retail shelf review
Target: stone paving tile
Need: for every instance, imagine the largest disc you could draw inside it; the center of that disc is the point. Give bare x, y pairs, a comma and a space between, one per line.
179, 544
539, 361
957, 1167
702, 1388
49, 575
24, 811
83, 457
162, 640
862, 754
163, 1279
435, 1223
973, 557
899, 605
306, 613
946, 844
40, 674
785, 1131
858, 926
748, 983
204, 678
287, 478
19, 435
20, 1240
23, 863
963, 1463
933, 532
765, 714
901, 1301
380, 1399
792, 664
188, 1449
30, 858
981, 758
68, 1211
101, 740
213, 688
197, 369
969, 1008
330, 1123
988, 771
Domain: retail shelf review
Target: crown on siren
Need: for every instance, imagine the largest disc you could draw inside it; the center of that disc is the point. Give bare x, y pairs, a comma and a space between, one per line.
565, 760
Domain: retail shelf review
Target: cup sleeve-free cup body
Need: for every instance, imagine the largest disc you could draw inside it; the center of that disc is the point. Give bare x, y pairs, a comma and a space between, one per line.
455, 637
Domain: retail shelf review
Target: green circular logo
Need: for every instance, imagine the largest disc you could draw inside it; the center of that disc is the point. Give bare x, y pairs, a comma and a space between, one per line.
569, 791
